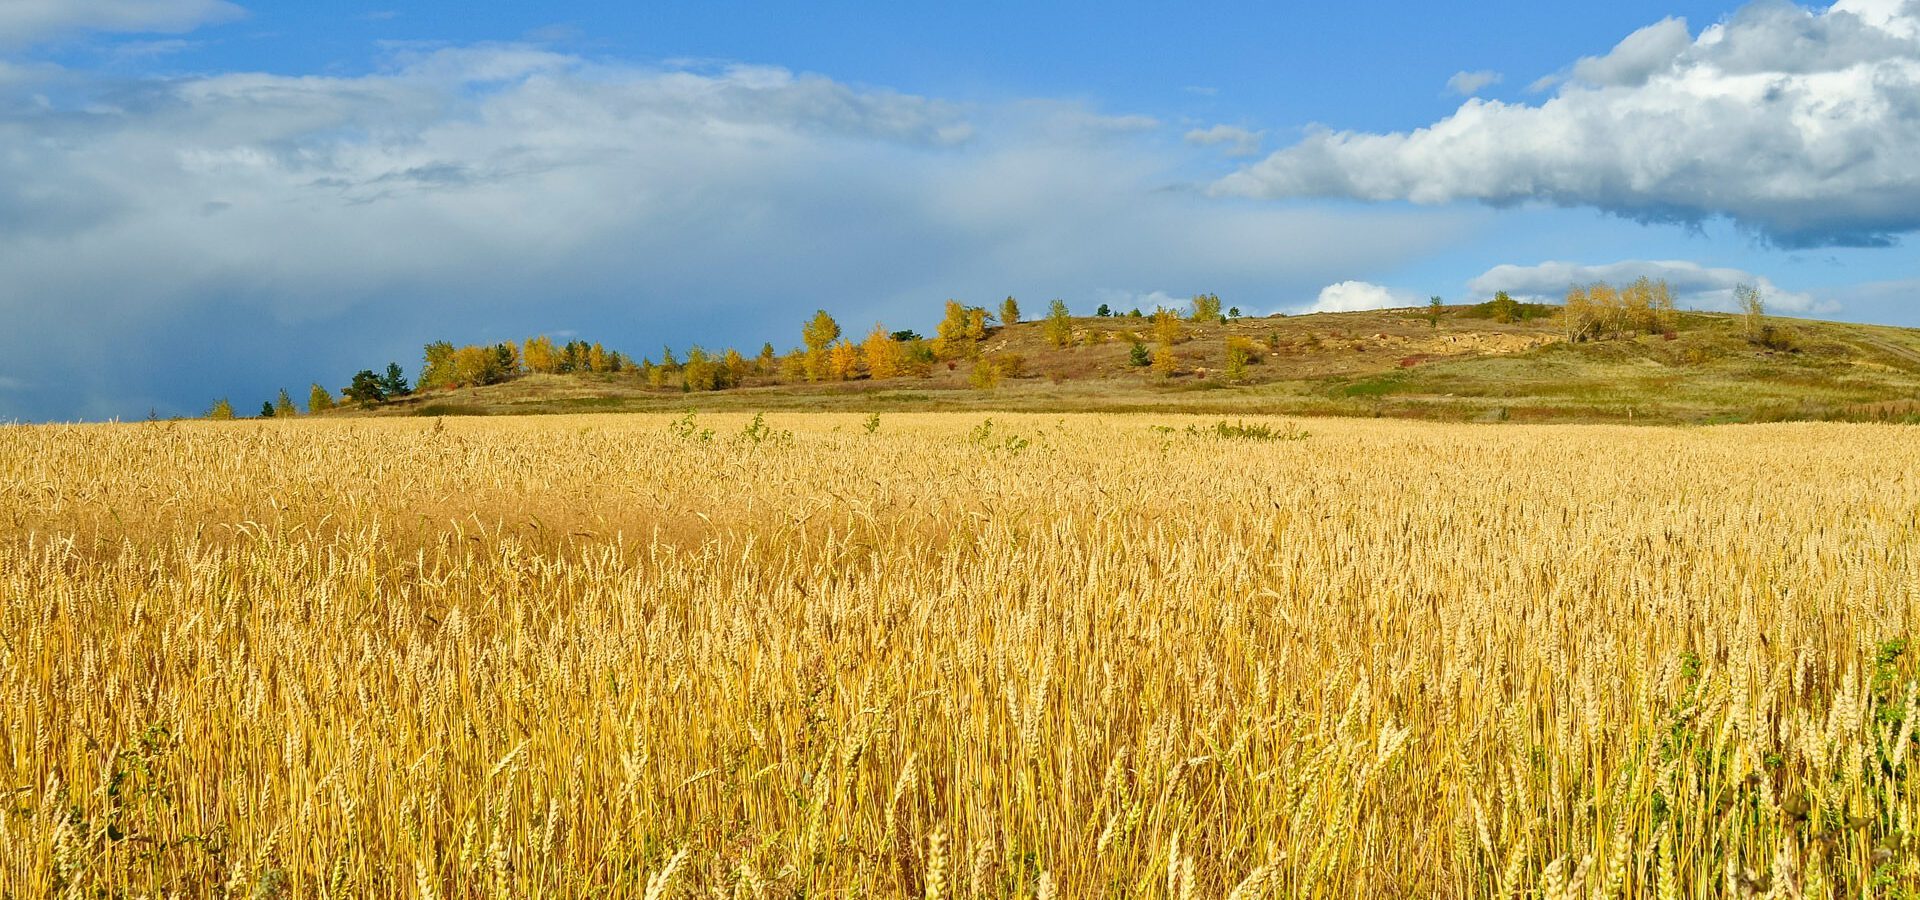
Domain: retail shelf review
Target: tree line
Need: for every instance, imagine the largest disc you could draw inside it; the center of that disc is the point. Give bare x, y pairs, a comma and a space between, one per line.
825, 354
1597, 311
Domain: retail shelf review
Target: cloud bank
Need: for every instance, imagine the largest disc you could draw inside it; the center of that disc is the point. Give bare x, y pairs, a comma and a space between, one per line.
1694, 286
28, 21
1799, 126
168, 241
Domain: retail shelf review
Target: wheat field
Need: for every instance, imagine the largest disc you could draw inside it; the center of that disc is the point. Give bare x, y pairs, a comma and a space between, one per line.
935, 656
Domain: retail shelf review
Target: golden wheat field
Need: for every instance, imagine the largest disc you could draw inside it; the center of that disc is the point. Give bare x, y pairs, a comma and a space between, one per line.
936, 657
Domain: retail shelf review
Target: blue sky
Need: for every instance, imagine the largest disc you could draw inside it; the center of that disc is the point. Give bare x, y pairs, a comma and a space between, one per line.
202, 198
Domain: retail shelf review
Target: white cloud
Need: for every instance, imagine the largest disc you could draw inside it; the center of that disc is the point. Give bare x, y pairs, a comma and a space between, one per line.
27, 21
1694, 286
1236, 141
1120, 300
1354, 296
1797, 125
209, 235
1467, 84
1639, 57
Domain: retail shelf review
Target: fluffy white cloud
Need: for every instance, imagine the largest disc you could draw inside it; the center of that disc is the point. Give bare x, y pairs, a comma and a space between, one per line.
1797, 125
26, 21
210, 235
1637, 58
1237, 141
1694, 286
1353, 296
1467, 84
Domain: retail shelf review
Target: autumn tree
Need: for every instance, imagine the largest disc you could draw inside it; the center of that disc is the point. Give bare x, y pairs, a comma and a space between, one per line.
988, 371
541, 355
819, 334
575, 357
701, 373
319, 400
916, 353
476, 365
768, 361
737, 366
885, 355
1753, 310
843, 361
1608, 305
793, 366
1665, 318
221, 411
1578, 314
1636, 306
1164, 362
1009, 311
437, 370
1236, 362
1206, 308
1166, 327
957, 336
283, 406
1433, 311
1059, 324
1503, 307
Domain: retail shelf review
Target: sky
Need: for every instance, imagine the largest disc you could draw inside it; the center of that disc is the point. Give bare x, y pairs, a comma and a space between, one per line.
222, 198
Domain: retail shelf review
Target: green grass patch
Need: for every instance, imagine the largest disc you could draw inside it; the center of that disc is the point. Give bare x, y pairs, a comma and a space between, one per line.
1373, 387
449, 409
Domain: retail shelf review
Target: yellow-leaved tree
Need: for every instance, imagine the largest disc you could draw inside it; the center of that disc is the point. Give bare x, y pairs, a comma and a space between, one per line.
955, 337
1206, 307
1059, 324
819, 334
541, 356
885, 356
1166, 327
737, 366
843, 361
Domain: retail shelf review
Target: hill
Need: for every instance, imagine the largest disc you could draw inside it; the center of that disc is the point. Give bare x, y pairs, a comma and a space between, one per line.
1390, 363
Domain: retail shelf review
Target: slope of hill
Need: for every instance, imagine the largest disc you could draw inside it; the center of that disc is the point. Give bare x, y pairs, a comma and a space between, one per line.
1377, 363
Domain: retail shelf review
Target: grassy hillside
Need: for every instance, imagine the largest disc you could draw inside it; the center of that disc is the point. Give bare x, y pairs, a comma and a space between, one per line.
1391, 363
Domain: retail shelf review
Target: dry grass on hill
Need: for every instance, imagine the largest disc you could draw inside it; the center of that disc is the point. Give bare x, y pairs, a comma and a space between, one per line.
1385, 363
